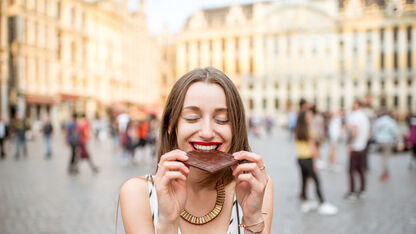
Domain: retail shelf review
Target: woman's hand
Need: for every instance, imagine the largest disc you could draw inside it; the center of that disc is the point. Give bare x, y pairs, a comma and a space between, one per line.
170, 183
251, 181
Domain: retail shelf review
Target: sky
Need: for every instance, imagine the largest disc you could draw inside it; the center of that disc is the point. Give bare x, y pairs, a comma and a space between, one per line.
173, 13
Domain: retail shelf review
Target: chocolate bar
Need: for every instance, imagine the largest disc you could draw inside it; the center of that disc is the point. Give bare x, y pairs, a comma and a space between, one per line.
210, 161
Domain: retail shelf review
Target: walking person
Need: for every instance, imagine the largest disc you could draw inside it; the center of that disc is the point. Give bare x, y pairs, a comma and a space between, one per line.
19, 129
334, 133
83, 128
47, 130
203, 112
411, 139
385, 132
359, 132
73, 140
3, 136
307, 152
317, 130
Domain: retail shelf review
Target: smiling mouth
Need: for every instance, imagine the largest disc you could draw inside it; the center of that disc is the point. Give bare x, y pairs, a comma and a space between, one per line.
205, 146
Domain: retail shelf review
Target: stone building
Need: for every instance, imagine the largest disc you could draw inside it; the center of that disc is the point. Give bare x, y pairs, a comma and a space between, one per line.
83, 56
329, 52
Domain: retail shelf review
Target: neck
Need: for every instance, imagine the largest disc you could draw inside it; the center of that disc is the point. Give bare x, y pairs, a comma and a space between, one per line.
195, 177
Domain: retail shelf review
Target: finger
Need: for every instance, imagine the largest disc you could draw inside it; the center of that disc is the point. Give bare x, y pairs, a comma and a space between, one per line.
246, 178
249, 156
174, 155
170, 176
252, 168
174, 166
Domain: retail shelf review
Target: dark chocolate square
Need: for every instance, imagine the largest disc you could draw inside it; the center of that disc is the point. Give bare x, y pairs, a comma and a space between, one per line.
210, 161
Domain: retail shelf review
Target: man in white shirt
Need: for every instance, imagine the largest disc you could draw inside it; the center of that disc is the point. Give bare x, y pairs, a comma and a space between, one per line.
359, 129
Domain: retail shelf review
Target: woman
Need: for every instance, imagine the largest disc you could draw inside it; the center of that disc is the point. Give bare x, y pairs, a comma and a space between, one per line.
203, 111
307, 152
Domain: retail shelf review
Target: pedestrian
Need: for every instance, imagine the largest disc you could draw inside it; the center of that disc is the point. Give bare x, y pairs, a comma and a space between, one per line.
371, 115
129, 143
203, 111
307, 153
291, 122
359, 132
334, 134
47, 130
317, 130
19, 129
411, 139
73, 140
3, 136
385, 133
83, 128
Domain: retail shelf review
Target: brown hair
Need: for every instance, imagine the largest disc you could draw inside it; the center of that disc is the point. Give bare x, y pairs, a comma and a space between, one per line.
173, 110
301, 129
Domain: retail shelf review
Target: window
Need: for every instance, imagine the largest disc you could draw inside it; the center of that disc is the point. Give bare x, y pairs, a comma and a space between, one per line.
382, 60
369, 85
395, 60
409, 102
276, 103
264, 103
382, 34
74, 52
395, 33
73, 15
409, 59
383, 101
251, 86
250, 104
396, 101
409, 33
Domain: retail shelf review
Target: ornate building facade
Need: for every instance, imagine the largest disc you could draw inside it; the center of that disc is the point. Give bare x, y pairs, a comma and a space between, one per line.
79, 56
329, 52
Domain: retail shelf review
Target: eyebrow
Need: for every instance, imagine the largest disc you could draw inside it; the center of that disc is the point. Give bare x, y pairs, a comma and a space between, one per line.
195, 108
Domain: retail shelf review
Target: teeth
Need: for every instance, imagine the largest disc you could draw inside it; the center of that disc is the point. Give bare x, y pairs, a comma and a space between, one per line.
205, 147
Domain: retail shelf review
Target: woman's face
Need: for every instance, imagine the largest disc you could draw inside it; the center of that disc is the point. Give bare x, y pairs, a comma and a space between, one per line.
204, 123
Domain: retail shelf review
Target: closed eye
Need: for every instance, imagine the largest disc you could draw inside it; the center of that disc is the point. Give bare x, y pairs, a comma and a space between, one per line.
222, 121
191, 120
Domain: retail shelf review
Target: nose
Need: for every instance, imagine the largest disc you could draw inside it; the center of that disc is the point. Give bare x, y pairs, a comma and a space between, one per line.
206, 131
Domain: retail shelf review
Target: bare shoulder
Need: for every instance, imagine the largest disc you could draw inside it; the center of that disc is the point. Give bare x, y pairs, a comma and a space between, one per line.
133, 186
135, 206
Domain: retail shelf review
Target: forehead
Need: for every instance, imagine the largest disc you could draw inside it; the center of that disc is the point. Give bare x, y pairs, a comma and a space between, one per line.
205, 94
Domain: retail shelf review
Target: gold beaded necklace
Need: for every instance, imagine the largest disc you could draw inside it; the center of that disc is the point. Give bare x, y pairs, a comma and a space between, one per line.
212, 214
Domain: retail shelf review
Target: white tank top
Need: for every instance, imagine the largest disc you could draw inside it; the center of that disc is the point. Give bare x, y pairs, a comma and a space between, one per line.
236, 214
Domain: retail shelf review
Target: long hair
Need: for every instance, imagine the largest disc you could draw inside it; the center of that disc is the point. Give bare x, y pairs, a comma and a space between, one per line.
302, 128
173, 110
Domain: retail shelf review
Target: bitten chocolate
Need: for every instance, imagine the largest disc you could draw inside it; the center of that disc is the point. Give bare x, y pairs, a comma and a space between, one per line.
210, 161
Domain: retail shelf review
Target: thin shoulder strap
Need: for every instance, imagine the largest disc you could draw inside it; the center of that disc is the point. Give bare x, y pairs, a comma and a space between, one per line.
153, 200
118, 206
236, 218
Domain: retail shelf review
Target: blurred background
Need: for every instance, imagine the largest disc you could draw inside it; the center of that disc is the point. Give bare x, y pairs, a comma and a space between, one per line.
112, 64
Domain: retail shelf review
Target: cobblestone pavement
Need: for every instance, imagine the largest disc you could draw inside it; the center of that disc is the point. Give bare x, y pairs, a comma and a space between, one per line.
38, 196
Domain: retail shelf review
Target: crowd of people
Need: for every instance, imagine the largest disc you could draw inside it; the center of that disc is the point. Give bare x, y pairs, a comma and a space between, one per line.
128, 133
359, 129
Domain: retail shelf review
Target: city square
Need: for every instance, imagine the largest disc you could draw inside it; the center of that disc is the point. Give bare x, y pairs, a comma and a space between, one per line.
39, 196
91, 78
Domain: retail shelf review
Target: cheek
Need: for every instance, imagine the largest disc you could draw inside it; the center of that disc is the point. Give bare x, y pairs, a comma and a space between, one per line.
226, 132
